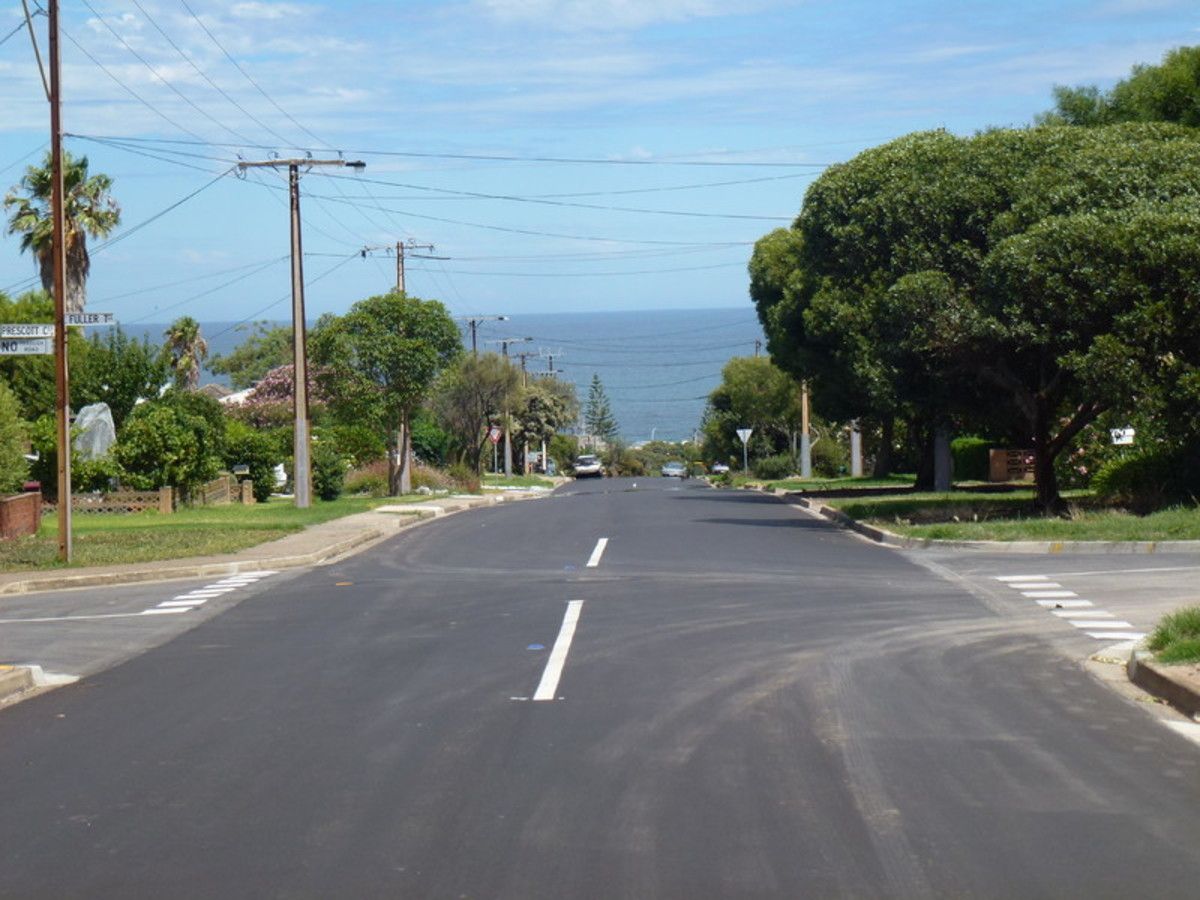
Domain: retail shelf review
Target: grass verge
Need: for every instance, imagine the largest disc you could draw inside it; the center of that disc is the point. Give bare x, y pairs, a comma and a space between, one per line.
1177, 637
838, 484
1011, 517
497, 481
110, 539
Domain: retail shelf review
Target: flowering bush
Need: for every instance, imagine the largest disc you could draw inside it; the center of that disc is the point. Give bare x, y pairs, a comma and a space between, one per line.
269, 405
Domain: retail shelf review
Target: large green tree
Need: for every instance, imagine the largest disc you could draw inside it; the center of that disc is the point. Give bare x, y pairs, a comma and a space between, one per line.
118, 370
892, 250
380, 359
14, 436
469, 396
597, 413
90, 210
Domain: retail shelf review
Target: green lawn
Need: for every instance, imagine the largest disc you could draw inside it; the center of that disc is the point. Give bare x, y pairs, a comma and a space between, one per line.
106, 539
837, 484
1010, 517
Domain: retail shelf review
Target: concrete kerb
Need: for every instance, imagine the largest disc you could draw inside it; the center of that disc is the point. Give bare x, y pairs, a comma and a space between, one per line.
890, 539
1170, 683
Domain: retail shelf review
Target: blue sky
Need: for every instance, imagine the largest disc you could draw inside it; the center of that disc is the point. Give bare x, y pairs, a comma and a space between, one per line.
692, 127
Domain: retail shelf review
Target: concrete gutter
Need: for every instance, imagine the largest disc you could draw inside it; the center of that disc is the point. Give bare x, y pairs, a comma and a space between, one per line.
1178, 685
890, 539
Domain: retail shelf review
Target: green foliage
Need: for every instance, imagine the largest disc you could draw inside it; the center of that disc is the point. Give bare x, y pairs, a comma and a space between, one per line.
357, 444
371, 479
543, 408
246, 446
14, 432
830, 458
88, 209
771, 468
265, 349
563, 449
431, 443
328, 471
970, 456
1168, 92
469, 396
465, 480
31, 378
175, 441
1151, 478
117, 370
597, 413
86, 475
183, 352
754, 393
1176, 638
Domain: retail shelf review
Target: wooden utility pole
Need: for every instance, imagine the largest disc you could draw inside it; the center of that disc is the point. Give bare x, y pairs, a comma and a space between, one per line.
302, 438
58, 250
805, 438
473, 324
525, 384
399, 249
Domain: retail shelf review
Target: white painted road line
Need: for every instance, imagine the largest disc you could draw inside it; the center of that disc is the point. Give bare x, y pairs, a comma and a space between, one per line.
164, 612
1021, 578
198, 601
548, 686
1065, 604
1082, 614
594, 560
1033, 585
1049, 594
1115, 624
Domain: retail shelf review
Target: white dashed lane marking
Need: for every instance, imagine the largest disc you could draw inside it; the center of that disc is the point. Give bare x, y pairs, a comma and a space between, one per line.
181, 603
1069, 606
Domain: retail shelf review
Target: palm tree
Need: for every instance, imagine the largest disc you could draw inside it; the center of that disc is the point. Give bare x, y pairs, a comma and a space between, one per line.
89, 211
185, 349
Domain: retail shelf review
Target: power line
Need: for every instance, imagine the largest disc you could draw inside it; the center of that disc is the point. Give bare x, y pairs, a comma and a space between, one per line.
136, 96
267, 128
584, 274
515, 158
194, 278
512, 198
212, 290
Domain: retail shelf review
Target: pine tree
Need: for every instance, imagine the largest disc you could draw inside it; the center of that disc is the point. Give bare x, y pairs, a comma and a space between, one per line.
598, 415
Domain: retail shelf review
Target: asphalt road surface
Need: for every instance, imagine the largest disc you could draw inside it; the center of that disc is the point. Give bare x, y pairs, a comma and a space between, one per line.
660, 691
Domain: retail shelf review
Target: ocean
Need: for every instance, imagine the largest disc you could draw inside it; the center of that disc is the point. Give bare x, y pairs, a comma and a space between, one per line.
657, 366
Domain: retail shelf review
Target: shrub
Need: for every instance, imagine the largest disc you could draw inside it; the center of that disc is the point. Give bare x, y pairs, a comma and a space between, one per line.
432, 478
770, 468
328, 471
95, 474
13, 433
829, 458
246, 446
430, 442
371, 479
464, 479
970, 455
160, 444
1148, 479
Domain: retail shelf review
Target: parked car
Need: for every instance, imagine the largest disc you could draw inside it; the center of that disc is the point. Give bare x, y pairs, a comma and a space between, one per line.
588, 467
719, 468
674, 470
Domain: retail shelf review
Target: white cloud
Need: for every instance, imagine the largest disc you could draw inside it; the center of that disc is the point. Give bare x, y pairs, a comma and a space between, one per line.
602, 14
253, 9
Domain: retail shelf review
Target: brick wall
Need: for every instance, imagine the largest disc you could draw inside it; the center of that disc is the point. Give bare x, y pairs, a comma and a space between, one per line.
20, 515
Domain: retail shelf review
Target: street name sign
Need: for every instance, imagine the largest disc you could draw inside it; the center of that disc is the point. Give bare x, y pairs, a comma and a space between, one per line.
87, 318
27, 330
26, 346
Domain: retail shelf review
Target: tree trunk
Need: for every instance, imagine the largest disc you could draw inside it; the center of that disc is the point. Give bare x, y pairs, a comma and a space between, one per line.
1048, 499
405, 458
883, 458
925, 469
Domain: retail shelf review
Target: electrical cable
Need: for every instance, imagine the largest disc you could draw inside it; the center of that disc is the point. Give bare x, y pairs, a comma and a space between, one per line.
212, 290
194, 278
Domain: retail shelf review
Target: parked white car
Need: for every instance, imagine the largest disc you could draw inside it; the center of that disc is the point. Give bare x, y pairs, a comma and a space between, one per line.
588, 467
